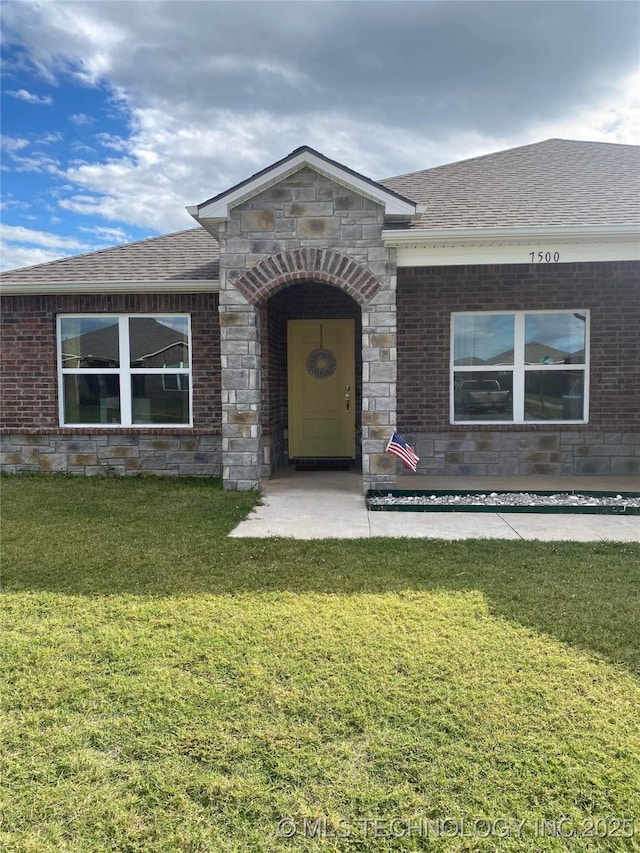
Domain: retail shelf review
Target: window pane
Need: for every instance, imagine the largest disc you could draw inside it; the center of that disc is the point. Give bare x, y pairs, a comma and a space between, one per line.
483, 396
554, 338
91, 398
160, 399
483, 339
554, 395
90, 342
156, 341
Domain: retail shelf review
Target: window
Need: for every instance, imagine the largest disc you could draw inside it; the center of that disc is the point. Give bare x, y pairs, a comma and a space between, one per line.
519, 367
124, 370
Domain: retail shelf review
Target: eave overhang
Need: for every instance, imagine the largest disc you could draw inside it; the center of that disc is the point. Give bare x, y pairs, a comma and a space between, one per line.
514, 244
48, 288
217, 209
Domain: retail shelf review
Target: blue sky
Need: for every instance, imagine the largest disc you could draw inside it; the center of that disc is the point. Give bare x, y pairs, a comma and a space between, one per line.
59, 127
117, 115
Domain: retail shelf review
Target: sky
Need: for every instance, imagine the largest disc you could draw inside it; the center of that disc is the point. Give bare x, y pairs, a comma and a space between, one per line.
117, 115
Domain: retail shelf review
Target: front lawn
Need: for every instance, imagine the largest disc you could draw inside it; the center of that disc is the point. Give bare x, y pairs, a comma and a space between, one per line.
165, 688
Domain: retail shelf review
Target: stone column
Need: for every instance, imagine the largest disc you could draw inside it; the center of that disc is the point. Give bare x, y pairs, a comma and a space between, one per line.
379, 390
240, 361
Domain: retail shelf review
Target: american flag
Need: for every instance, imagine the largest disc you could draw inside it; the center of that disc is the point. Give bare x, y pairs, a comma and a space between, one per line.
399, 447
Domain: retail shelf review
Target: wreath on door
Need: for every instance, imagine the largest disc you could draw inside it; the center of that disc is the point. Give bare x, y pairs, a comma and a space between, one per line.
321, 363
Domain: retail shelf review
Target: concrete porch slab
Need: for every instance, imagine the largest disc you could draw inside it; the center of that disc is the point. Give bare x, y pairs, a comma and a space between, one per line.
330, 505
310, 505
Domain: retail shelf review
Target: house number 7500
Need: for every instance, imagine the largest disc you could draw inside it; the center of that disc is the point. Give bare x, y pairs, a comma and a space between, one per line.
544, 257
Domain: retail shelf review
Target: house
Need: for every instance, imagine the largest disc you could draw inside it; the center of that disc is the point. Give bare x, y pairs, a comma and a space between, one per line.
488, 309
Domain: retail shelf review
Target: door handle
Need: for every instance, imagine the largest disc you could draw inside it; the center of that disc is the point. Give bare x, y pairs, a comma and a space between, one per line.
347, 396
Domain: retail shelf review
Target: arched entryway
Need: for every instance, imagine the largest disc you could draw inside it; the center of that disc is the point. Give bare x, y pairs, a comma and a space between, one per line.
297, 325
252, 444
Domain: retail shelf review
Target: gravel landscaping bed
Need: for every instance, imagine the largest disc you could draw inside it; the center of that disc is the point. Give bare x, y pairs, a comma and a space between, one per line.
587, 502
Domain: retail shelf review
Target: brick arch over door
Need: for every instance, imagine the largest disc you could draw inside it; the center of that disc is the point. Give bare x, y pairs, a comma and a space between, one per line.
320, 265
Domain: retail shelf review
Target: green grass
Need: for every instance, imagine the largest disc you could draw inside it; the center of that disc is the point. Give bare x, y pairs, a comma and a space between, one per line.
165, 688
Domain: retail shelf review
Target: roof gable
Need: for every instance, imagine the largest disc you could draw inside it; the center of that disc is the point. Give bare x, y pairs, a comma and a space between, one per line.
218, 207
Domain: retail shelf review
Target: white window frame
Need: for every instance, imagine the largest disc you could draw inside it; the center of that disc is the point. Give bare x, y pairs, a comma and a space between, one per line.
124, 372
518, 368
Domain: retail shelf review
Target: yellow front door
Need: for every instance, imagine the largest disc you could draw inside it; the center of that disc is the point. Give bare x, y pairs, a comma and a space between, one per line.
322, 397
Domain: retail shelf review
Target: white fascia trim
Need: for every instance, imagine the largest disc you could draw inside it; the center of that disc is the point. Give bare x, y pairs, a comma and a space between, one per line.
509, 234
219, 209
516, 245
89, 287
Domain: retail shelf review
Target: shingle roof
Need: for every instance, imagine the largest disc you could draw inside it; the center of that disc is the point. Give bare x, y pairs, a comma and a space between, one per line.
556, 182
191, 255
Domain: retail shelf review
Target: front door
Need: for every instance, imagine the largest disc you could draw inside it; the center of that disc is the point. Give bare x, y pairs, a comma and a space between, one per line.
322, 397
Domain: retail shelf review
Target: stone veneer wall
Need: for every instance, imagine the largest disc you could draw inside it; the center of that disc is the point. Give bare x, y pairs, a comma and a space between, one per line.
117, 454
305, 228
572, 451
609, 444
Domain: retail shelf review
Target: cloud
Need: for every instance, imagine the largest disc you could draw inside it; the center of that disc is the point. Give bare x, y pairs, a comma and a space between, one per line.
18, 160
429, 64
13, 203
14, 257
21, 246
170, 164
107, 235
612, 120
37, 163
435, 67
30, 98
48, 139
212, 92
80, 119
108, 140
19, 234
12, 144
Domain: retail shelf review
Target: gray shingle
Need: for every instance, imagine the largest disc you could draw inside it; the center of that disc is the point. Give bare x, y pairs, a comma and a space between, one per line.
556, 182
191, 255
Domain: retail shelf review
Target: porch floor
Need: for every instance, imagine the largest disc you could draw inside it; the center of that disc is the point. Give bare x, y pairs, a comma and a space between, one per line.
331, 505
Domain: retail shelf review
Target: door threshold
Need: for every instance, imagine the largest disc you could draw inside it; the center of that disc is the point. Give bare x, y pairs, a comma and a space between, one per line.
323, 464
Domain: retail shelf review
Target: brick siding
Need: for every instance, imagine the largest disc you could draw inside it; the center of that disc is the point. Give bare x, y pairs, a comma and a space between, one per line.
607, 444
33, 438
28, 348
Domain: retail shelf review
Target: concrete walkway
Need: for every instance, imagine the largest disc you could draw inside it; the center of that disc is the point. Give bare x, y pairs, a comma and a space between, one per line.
330, 505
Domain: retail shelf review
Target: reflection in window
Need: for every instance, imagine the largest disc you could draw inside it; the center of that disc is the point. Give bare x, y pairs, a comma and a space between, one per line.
552, 395
154, 341
125, 371
152, 403
487, 395
89, 342
554, 338
533, 351
91, 398
483, 339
